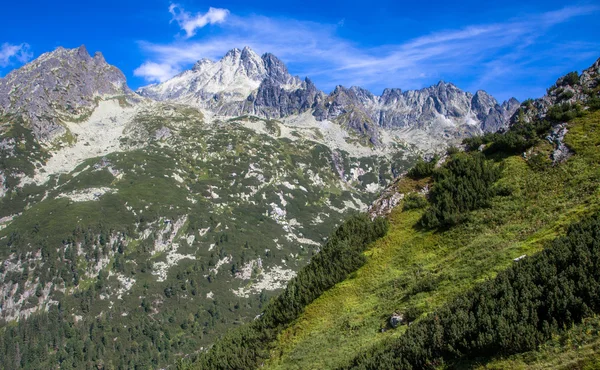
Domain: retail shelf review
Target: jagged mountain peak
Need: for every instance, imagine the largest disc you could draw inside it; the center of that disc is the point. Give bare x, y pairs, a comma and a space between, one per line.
202, 63
237, 55
276, 69
224, 85
58, 85
244, 83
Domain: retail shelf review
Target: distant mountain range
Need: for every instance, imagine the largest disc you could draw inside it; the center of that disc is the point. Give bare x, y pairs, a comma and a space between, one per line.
244, 83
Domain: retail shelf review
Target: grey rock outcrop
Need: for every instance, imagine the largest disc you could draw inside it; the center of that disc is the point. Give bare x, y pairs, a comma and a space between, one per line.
556, 137
271, 100
396, 320
62, 84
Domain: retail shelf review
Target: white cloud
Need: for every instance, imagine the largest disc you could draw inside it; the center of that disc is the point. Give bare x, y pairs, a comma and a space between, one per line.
156, 72
11, 53
190, 23
485, 51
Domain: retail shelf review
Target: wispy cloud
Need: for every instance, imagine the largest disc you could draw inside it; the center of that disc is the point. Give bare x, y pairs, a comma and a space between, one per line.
10, 54
190, 23
486, 51
155, 71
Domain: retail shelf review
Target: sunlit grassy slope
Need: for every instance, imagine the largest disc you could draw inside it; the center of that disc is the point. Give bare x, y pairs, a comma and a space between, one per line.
414, 271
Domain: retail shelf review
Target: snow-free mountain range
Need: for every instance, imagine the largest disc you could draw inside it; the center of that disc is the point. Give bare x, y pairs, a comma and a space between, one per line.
186, 204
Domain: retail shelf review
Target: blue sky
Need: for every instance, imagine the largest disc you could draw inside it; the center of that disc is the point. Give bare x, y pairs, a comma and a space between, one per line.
506, 48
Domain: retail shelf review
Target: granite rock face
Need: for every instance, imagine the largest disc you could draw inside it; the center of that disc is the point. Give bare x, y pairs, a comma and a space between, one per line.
244, 83
437, 107
272, 100
556, 137
62, 84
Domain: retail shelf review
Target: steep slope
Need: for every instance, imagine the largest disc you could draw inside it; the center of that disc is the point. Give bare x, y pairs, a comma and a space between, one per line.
154, 217
415, 270
242, 83
60, 85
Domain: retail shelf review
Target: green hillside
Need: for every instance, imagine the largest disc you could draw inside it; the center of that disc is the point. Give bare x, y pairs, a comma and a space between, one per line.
488, 209
415, 271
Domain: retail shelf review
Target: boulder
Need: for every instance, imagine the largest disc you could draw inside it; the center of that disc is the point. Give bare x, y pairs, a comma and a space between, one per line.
396, 320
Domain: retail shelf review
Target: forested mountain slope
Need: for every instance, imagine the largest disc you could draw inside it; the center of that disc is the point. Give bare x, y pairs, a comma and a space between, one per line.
492, 252
135, 230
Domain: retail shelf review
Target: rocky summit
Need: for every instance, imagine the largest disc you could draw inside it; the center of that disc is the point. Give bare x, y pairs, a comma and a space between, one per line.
174, 213
60, 85
244, 83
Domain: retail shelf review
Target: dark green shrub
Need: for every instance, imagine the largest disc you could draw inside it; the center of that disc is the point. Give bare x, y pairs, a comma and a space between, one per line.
412, 313
452, 150
571, 78
539, 162
423, 169
414, 201
566, 95
473, 143
463, 184
564, 112
426, 283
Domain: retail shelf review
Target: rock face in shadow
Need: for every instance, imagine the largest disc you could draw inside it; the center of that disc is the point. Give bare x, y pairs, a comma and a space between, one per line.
62, 84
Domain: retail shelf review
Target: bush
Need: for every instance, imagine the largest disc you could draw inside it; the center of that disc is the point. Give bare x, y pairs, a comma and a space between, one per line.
423, 169
510, 143
414, 201
566, 95
452, 150
515, 312
564, 112
539, 162
473, 143
465, 183
571, 78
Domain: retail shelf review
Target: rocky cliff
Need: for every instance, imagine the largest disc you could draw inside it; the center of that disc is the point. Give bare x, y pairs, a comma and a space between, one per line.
570, 92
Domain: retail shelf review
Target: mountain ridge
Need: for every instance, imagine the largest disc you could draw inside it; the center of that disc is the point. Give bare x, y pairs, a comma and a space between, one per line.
71, 80
242, 83
271, 92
